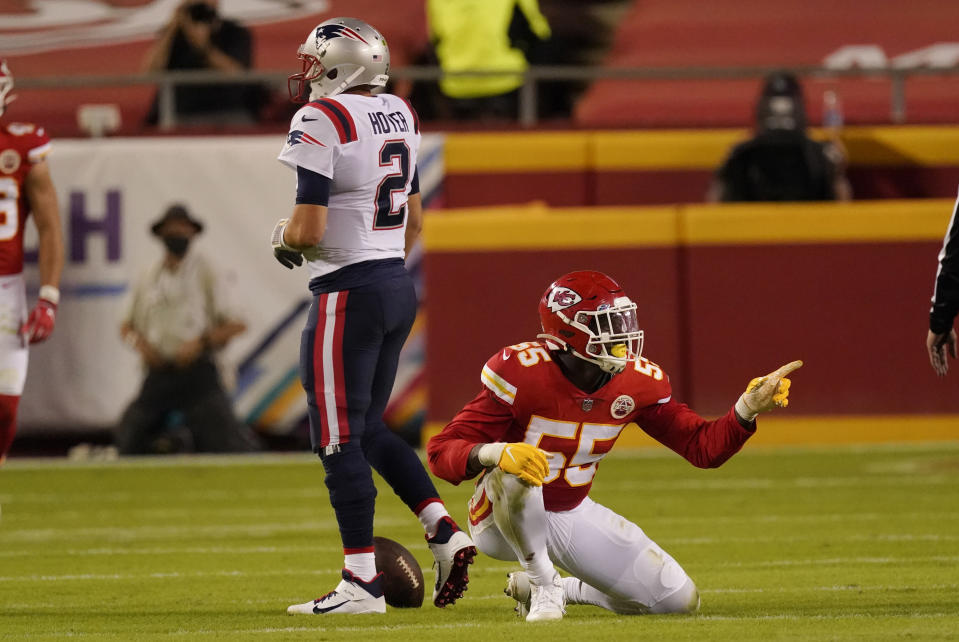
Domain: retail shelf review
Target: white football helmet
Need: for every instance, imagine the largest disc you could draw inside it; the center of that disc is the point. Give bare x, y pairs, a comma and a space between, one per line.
6, 86
338, 54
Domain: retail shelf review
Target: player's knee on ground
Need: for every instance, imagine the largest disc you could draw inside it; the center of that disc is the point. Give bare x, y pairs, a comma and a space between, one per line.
684, 600
670, 589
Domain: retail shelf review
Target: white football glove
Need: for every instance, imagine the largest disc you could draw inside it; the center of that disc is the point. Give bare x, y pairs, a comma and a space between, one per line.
286, 255
765, 393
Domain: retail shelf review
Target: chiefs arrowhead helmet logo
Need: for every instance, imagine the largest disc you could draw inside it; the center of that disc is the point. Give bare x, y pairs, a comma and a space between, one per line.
561, 298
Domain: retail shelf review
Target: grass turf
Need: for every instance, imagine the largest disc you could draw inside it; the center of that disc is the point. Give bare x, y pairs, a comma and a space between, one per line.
845, 543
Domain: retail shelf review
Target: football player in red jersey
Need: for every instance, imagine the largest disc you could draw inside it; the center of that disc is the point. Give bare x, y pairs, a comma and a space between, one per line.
549, 411
25, 188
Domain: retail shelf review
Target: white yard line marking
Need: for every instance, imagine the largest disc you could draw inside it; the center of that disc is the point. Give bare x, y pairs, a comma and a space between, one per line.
938, 479
838, 560
833, 537
499, 596
501, 569
271, 459
810, 518
310, 624
489, 570
855, 588
167, 461
162, 576
84, 496
110, 551
173, 550
130, 533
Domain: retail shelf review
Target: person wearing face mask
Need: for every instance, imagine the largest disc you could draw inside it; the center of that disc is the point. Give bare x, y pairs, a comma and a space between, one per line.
177, 320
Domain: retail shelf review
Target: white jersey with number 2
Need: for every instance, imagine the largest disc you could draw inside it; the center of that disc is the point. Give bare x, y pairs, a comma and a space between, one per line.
367, 146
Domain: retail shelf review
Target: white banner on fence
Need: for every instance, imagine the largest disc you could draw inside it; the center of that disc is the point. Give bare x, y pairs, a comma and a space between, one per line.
111, 191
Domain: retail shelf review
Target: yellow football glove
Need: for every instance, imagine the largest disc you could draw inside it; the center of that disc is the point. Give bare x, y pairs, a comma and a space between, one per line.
527, 462
765, 393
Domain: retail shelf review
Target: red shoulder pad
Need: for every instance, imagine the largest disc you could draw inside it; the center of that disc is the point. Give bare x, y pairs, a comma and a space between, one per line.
506, 370
648, 383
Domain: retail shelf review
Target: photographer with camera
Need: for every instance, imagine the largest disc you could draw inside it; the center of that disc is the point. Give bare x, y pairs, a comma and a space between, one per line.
197, 37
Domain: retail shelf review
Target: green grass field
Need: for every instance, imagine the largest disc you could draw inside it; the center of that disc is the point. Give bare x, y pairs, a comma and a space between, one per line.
846, 543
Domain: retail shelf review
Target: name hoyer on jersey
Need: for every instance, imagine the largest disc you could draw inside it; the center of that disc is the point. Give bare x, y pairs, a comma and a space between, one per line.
388, 123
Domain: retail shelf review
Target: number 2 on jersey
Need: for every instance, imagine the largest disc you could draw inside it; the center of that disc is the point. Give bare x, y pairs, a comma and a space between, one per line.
388, 215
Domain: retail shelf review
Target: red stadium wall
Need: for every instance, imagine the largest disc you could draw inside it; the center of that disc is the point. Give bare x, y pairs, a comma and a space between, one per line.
786, 33
674, 166
726, 293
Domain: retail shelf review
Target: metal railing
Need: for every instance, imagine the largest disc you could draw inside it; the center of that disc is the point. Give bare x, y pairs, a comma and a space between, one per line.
528, 107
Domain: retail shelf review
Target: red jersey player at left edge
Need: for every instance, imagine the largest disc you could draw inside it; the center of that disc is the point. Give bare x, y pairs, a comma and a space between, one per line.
25, 188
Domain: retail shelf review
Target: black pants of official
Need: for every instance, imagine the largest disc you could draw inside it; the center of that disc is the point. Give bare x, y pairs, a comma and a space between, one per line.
195, 391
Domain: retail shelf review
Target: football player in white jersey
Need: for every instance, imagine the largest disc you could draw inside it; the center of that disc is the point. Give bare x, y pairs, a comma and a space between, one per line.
549, 411
357, 213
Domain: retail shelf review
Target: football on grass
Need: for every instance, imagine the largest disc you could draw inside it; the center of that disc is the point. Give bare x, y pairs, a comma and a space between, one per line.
402, 576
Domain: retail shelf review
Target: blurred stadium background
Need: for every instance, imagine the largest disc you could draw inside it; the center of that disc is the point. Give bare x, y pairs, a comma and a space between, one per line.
604, 165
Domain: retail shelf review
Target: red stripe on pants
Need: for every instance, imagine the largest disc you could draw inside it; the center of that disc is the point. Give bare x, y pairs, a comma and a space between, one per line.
329, 385
341, 405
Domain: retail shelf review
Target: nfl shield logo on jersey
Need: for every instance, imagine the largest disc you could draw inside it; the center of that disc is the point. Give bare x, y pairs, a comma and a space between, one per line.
623, 405
9, 161
587, 405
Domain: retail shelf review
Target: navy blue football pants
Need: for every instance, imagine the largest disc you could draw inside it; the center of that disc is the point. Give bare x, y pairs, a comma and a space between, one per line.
349, 353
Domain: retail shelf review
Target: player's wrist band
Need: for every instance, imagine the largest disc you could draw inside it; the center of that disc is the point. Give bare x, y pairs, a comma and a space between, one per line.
490, 454
744, 411
276, 238
50, 293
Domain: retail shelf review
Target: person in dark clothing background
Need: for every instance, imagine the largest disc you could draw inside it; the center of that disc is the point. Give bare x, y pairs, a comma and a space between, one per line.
197, 37
177, 320
781, 163
941, 337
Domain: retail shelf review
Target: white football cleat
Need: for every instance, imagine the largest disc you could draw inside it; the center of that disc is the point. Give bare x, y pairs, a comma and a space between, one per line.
453, 551
548, 602
518, 588
351, 595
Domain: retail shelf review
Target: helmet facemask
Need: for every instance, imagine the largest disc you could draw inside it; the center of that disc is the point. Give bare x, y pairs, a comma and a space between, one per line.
614, 338
298, 83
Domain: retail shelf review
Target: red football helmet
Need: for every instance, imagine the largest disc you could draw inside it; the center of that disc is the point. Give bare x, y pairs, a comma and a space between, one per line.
588, 312
6, 86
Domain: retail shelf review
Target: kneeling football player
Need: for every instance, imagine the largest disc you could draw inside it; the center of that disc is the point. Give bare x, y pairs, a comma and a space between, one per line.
549, 411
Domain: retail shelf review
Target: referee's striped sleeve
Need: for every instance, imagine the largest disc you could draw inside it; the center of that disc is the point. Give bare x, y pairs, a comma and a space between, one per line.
945, 298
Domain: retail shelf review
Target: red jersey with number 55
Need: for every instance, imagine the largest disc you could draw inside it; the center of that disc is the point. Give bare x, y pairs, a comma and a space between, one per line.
22, 145
526, 397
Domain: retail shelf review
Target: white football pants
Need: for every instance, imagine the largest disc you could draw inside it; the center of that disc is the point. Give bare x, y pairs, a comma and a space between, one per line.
13, 351
613, 563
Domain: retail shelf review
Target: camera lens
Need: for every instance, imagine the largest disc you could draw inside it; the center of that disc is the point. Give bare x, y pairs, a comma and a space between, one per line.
201, 12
